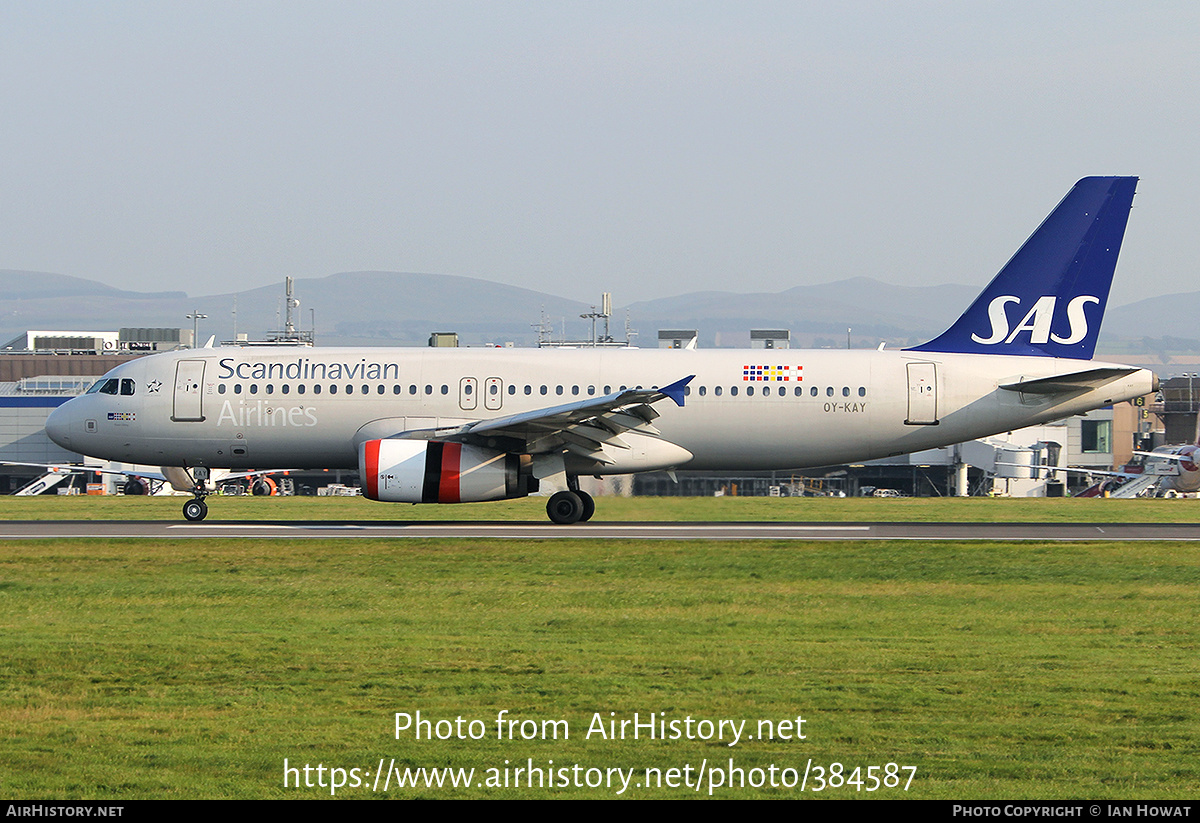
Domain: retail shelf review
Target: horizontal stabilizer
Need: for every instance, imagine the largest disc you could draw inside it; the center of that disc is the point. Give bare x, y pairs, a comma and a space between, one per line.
1067, 383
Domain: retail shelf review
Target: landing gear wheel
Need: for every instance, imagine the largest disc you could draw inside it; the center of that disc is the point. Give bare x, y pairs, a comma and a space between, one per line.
589, 506
195, 510
565, 508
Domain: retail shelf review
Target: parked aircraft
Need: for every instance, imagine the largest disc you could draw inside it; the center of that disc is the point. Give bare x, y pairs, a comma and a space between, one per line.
461, 425
1175, 467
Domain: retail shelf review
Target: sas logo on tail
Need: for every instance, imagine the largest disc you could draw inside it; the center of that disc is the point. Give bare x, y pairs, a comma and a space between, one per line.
1036, 321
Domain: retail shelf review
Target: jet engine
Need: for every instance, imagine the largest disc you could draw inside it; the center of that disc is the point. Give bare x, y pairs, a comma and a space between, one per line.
432, 471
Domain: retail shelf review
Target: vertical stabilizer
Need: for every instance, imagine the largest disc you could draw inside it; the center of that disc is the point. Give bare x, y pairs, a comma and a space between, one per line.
1049, 299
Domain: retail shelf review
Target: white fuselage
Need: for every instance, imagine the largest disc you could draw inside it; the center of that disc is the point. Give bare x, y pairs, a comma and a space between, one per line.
745, 409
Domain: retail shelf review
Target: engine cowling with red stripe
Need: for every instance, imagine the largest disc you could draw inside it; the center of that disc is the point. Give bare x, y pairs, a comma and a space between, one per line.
432, 471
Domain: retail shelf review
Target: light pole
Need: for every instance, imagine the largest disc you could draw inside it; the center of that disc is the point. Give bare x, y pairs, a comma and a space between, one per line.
195, 317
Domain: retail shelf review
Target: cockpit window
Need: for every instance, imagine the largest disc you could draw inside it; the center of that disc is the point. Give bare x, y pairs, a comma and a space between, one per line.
126, 386
109, 386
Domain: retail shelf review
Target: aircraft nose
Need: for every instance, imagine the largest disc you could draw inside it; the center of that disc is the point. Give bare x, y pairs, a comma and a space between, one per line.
58, 426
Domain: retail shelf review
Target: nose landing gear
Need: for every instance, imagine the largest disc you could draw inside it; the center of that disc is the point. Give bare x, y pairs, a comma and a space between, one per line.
196, 509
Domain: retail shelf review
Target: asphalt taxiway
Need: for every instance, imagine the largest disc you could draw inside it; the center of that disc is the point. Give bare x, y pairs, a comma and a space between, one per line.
294, 530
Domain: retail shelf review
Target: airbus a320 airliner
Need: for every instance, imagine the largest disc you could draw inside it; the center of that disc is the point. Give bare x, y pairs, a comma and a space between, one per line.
429, 425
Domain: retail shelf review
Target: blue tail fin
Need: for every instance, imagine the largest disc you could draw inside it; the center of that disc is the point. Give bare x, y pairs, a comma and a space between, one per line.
1048, 300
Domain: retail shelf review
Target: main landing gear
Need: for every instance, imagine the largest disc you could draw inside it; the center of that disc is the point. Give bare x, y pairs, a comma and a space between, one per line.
572, 506
196, 509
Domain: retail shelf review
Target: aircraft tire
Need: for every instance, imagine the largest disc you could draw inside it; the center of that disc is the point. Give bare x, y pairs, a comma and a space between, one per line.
564, 508
589, 506
195, 510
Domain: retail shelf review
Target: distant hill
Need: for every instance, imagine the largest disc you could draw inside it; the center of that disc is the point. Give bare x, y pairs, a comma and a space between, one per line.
36, 285
353, 308
875, 311
393, 308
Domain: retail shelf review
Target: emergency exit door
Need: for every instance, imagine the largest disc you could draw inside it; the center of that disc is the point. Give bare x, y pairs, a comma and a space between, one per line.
189, 378
922, 394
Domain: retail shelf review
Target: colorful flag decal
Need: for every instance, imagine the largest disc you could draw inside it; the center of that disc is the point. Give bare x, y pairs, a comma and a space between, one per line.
772, 374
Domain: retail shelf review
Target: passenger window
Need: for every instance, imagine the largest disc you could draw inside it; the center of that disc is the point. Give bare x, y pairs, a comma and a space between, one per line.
862, 391
575, 390
300, 389
396, 389
749, 391
813, 391
543, 389
333, 388
412, 389
829, 392
237, 388
558, 390
608, 389
428, 389
254, 388
285, 388
591, 390
717, 391
316, 388
529, 389
467, 389
799, 391
270, 388
220, 388
445, 389
733, 391
703, 391
845, 391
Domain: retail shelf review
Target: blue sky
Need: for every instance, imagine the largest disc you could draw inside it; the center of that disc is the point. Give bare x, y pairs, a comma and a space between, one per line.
645, 148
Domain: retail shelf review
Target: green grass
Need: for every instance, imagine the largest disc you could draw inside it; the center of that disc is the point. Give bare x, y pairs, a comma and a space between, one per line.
193, 668
973, 509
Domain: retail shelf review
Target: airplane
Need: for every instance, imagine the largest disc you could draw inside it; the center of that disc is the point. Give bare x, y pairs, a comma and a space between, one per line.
1167, 471
433, 425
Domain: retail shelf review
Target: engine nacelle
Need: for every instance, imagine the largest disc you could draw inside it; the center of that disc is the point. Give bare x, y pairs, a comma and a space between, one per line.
431, 471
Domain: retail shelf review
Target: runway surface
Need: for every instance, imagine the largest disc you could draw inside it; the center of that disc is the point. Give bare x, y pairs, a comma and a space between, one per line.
295, 530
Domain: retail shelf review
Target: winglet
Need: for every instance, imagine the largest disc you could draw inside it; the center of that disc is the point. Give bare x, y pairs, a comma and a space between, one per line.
675, 390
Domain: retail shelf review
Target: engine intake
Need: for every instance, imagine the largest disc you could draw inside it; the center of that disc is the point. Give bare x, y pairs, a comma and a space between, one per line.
432, 471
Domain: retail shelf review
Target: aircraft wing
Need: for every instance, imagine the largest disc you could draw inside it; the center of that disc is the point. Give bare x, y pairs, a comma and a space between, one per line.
151, 475
1068, 469
1067, 383
79, 467
584, 427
